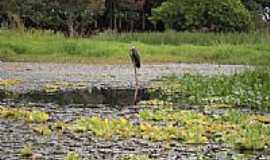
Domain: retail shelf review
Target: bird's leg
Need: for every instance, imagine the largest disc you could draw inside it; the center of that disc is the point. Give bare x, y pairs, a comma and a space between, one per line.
136, 78
136, 86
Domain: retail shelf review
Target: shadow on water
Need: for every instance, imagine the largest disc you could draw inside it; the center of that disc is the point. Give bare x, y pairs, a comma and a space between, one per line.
95, 95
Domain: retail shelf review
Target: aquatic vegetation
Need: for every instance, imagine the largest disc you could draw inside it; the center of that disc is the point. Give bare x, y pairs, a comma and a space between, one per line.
60, 126
22, 114
13, 113
107, 129
245, 131
240, 130
42, 130
62, 85
155, 102
253, 137
26, 151
8, 82
216, 117
72, 156
169, 114
37, 117
195, 127
235, 128
135, 157
104, 128
262, 118
252, 134
215, 106
247, 89
155, 133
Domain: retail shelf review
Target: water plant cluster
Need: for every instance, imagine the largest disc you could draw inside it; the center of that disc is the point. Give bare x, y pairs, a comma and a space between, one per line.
23, 114
62, 85
242, 131
249, 89
8, 82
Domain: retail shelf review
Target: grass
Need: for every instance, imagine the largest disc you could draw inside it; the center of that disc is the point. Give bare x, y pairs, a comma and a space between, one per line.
227, 48
249, 89
180, 38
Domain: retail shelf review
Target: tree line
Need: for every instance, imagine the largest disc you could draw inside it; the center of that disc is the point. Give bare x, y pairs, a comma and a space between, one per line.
85, 17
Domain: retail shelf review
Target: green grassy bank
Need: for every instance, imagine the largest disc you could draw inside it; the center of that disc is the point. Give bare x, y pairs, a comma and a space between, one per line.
227, 48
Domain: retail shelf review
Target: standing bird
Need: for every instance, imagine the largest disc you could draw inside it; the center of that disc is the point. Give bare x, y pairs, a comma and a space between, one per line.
135, 57
136, 61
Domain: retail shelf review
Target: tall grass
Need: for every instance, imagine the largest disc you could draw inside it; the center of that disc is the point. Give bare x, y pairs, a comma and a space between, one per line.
225, 48
179, 38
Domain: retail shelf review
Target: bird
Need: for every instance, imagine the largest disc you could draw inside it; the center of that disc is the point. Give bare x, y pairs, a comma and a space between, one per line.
136, 61
135, 57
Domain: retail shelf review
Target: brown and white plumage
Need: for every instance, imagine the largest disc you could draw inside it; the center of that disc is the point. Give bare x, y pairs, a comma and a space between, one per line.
135, 57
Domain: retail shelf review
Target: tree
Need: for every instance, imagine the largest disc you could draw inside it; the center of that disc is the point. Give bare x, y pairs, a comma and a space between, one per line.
255, 5
70, 16
76, 13
203, 15
79, 17
10, 10
121, 12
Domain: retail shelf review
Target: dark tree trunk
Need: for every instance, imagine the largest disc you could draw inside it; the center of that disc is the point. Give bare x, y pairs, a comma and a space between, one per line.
143, 21
70, 26
120, 22
115, 22
132, 26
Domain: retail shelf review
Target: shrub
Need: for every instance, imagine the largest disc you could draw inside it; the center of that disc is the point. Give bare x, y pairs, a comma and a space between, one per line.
203, 15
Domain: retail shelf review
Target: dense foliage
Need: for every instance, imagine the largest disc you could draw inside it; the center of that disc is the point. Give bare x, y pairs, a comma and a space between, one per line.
213, 15
255, 5
84, 17
72, 16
